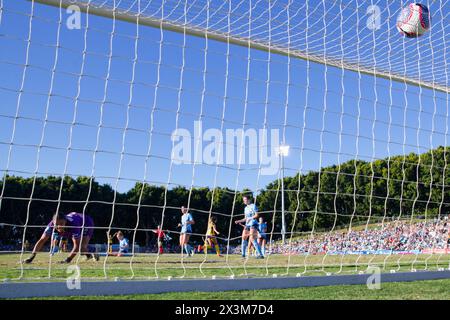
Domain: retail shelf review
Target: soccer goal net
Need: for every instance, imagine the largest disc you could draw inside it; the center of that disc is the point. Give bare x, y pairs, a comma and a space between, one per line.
163, 139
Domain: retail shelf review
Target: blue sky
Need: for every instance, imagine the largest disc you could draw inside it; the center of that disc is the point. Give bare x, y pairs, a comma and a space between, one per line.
87, 121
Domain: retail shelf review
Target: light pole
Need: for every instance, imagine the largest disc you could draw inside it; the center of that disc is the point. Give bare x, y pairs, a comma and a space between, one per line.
283, 152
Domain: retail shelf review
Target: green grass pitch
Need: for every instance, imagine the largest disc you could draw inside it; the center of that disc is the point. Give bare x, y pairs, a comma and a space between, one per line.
150, 266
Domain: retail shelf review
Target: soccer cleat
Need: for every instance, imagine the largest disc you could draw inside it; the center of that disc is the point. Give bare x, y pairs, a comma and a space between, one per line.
28, 260
259, 257
92, 256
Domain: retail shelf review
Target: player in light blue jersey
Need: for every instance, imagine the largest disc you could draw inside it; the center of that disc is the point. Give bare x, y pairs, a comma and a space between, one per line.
123, 244
186, 229
250, 227
262, 235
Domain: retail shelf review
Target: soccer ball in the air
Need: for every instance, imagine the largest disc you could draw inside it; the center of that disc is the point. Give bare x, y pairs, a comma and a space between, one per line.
414, 20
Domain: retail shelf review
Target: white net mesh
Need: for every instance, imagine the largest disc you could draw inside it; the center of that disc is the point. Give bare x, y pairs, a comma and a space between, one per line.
189, 104
270, 28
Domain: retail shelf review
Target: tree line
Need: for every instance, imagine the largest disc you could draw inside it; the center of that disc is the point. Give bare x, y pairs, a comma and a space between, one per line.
352, 192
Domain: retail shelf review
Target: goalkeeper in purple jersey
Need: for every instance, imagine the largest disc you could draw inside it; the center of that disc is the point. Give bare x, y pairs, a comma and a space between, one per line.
74, 225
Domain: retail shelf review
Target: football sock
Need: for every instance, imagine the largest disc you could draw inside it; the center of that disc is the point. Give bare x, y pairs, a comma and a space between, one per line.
257, 247
244, 247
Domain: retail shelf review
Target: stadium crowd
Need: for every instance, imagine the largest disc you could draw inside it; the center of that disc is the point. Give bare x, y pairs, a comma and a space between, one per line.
393, 236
